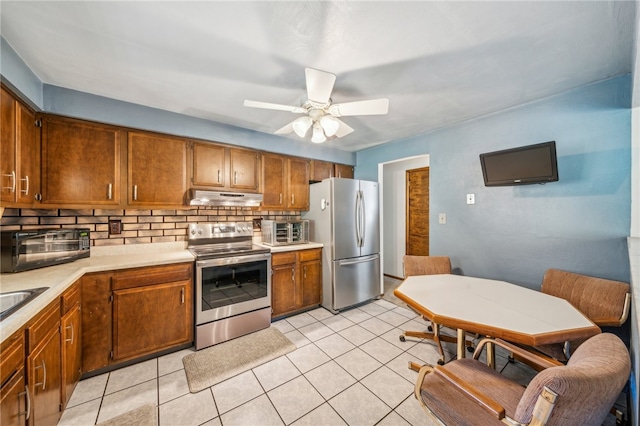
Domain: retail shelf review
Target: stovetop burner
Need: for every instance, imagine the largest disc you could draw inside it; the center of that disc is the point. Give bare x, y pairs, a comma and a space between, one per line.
210, 240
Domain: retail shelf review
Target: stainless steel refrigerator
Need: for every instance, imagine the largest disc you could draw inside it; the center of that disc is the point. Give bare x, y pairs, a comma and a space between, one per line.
344, 216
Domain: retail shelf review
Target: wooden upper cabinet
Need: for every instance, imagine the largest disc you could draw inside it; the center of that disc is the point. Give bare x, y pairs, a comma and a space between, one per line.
285, 182
81, 163
208, 165
221, 167
343, 171
156, 170
7, 146
243, 167
298, 184
273, 181
320, 170
20, 153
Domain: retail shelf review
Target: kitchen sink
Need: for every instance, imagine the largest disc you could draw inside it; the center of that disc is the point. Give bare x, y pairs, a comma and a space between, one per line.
11, 301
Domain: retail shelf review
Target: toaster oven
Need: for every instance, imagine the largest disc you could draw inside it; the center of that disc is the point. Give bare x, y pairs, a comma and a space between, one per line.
25, 250
280, 232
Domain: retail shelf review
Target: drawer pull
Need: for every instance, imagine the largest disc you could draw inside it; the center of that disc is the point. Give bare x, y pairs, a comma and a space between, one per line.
26, 185
12, 175
44, 375
27, 410
71, 339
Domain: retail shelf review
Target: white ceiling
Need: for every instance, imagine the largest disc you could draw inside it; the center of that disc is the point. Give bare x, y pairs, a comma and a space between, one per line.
438, 63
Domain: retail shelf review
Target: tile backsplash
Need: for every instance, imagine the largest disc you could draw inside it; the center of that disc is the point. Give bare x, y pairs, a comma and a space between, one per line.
137, 226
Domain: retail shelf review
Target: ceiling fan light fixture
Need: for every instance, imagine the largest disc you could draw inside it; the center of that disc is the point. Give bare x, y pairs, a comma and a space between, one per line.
301, 126
318, 134
330, 125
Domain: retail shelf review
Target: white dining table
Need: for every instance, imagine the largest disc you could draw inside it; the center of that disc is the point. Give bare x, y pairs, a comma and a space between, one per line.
494, 308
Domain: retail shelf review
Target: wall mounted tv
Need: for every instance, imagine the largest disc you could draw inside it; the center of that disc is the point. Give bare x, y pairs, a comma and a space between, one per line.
520, 166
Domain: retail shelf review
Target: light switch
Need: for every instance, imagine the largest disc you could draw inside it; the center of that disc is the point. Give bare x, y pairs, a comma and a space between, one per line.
471, 198
442, 218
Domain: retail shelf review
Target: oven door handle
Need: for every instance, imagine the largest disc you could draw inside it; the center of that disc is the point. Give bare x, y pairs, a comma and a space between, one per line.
221, 261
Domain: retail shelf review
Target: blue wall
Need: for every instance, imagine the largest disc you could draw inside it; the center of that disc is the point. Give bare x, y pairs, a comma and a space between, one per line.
18, 75
515, 233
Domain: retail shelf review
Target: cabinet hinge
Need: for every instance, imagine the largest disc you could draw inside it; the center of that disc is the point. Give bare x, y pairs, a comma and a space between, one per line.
111, 298
111, 354
38, 123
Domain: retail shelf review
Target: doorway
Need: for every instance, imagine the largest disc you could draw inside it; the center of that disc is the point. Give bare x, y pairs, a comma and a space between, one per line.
417, 218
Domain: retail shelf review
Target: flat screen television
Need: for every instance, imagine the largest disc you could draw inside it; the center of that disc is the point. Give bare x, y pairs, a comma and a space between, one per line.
520, 166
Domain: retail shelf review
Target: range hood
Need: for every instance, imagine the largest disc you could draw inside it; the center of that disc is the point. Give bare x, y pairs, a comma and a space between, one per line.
215, 198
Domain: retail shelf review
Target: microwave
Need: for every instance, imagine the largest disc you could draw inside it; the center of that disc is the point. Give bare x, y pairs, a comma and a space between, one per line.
25, 250
280, 232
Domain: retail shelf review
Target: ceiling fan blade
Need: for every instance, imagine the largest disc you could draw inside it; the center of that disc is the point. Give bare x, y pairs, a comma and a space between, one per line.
285, 130
279, 107
343, 130
370, 107
319, 85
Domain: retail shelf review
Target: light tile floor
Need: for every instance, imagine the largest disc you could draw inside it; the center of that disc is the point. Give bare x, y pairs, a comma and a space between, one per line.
349, 369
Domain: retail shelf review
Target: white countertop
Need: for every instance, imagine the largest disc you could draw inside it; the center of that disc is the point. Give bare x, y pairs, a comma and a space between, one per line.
58, 278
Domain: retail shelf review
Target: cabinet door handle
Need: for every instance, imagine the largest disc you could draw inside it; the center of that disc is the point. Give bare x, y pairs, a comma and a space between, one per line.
135, 192
182, 296
280, 201
339, 174
235, 178
11, 175
293, 274
304, 271
27, 409
293, 199
26, 185
219, 175
71, 339
44, 375
109, 191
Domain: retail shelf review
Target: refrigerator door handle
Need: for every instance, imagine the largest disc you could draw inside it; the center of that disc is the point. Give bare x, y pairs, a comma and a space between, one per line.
363, 259
358, 207
362, 219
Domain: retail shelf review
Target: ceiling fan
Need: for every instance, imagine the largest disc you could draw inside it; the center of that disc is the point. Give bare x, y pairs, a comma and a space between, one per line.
320, 111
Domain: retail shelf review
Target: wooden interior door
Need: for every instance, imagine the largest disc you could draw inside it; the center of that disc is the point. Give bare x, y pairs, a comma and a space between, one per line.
417, 226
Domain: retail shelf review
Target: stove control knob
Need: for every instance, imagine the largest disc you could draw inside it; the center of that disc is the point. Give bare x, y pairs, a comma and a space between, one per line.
193, 231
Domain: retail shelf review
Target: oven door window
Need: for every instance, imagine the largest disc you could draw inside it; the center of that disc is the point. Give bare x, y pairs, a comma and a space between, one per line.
230, 284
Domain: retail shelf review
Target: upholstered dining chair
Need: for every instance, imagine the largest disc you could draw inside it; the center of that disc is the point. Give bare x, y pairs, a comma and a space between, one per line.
468, 392
605, 302
428, 265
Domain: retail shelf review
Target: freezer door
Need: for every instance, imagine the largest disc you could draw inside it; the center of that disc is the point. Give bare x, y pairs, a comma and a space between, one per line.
370, 218
355, 281
344, 203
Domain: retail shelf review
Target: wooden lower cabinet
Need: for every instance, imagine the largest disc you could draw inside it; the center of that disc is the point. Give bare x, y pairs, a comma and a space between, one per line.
13, 392
296, 282
151, 318
44, 367
71, 344
135, 312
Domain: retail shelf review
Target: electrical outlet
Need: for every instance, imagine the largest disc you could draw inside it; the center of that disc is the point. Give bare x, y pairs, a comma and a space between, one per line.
442, 218
115, 227
471, 198
257, 224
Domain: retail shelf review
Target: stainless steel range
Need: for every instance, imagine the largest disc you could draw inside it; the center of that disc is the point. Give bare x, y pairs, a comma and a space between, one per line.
232, 282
